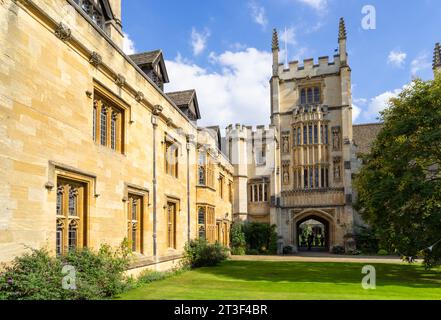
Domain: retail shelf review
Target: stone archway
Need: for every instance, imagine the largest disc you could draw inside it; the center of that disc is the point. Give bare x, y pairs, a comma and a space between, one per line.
312, 234
321, 217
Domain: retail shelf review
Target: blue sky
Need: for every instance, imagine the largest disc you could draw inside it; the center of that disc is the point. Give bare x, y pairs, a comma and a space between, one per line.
222, 48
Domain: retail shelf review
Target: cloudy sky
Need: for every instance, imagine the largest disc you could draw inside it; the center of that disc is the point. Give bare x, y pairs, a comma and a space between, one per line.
222, 48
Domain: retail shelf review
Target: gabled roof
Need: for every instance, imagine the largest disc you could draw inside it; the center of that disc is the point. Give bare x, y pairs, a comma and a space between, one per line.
216, 133
150, 59
183, 99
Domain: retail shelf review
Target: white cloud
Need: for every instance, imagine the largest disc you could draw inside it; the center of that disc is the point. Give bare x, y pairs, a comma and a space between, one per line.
369, 110
420, 63
199, 40
319, 5
258, 14
128, 45
288, 35
356, 111
238, 93
397, 58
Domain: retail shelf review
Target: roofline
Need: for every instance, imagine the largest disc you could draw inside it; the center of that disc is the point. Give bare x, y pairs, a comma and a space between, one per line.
128, 59
368, 124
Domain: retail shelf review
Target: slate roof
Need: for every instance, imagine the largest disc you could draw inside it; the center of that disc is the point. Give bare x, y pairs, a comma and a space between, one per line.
149, 59
364, 135
145, 58
184, 98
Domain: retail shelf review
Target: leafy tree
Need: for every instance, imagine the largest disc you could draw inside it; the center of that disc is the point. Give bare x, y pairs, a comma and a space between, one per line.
399, 185
238, 243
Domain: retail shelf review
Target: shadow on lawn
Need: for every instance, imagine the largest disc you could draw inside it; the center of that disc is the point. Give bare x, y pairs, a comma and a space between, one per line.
326, 272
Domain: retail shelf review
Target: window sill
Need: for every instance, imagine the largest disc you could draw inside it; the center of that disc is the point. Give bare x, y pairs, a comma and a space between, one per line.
205, 187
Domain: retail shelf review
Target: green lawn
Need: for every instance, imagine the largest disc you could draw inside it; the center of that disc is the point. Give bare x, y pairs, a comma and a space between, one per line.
256, 280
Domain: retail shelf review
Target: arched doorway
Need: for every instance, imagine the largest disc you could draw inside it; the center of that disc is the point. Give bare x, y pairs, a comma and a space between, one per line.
313, 234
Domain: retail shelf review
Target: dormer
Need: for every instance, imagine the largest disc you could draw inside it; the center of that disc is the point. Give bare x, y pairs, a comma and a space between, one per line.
187, 102
106, 14
153, 65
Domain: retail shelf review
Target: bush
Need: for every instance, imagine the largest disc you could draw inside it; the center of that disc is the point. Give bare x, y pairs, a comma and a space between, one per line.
200, 253
382, 252
238, 243
338, 250
252, 252
261, 237
288, 250
39, 276
366, 240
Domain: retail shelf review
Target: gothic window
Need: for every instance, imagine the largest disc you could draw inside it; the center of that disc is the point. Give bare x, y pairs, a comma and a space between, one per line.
311, 178
171, 225
310, 100
256, 194
317, 95
207, 223
305, 135
310, 134
299, 136
201, 168
326, 135
315, 134
135, 222
70, 212
108, 131
103, 125
171, 159
303, 96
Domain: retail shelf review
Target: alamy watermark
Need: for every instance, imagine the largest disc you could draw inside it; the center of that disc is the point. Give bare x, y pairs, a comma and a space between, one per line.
369, 21
369, 281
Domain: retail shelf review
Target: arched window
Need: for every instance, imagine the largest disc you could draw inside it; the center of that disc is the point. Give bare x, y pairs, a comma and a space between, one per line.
303, 96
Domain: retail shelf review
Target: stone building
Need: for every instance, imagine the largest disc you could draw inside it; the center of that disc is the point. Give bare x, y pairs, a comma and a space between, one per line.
312, 149
92, 150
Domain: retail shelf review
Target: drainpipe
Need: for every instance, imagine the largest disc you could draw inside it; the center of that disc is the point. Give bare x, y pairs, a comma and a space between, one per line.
157, 110
189, 139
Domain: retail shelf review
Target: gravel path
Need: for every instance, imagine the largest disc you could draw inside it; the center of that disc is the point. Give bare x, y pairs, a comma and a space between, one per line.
322, 257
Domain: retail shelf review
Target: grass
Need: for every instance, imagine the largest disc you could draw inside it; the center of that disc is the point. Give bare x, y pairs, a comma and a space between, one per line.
267, 280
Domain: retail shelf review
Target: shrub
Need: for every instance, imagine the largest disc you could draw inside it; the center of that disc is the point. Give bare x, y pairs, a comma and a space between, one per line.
382, 252
366, 240
238, 243
338, 250
288, 250
39, 276
261, 237
252, 252
200, 253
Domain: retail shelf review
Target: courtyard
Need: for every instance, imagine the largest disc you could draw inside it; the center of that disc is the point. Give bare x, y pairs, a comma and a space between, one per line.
294, 279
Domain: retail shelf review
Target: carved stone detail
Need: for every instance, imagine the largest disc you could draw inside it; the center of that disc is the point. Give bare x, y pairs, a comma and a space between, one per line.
139, 96
95, 59
63, 32
120, 80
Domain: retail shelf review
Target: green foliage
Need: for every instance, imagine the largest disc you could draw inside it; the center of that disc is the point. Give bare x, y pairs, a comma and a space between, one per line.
338, 250
260, 237
382, 252
399, 185
39, 276
288, 250
200, 253
366, 240
238, 243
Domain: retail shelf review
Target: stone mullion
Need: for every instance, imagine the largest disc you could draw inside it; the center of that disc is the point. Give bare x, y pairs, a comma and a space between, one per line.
65, 212
119, 132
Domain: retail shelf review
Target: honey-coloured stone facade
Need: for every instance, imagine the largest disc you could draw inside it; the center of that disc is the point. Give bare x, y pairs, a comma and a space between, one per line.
83, 142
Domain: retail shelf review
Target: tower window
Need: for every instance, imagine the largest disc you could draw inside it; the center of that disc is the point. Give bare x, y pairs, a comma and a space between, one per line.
303, 96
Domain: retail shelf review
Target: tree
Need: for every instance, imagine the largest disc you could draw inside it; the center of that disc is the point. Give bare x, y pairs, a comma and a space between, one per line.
399, 184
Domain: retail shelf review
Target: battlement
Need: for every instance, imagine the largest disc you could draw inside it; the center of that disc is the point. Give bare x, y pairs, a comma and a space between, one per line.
310, 67
246, 130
